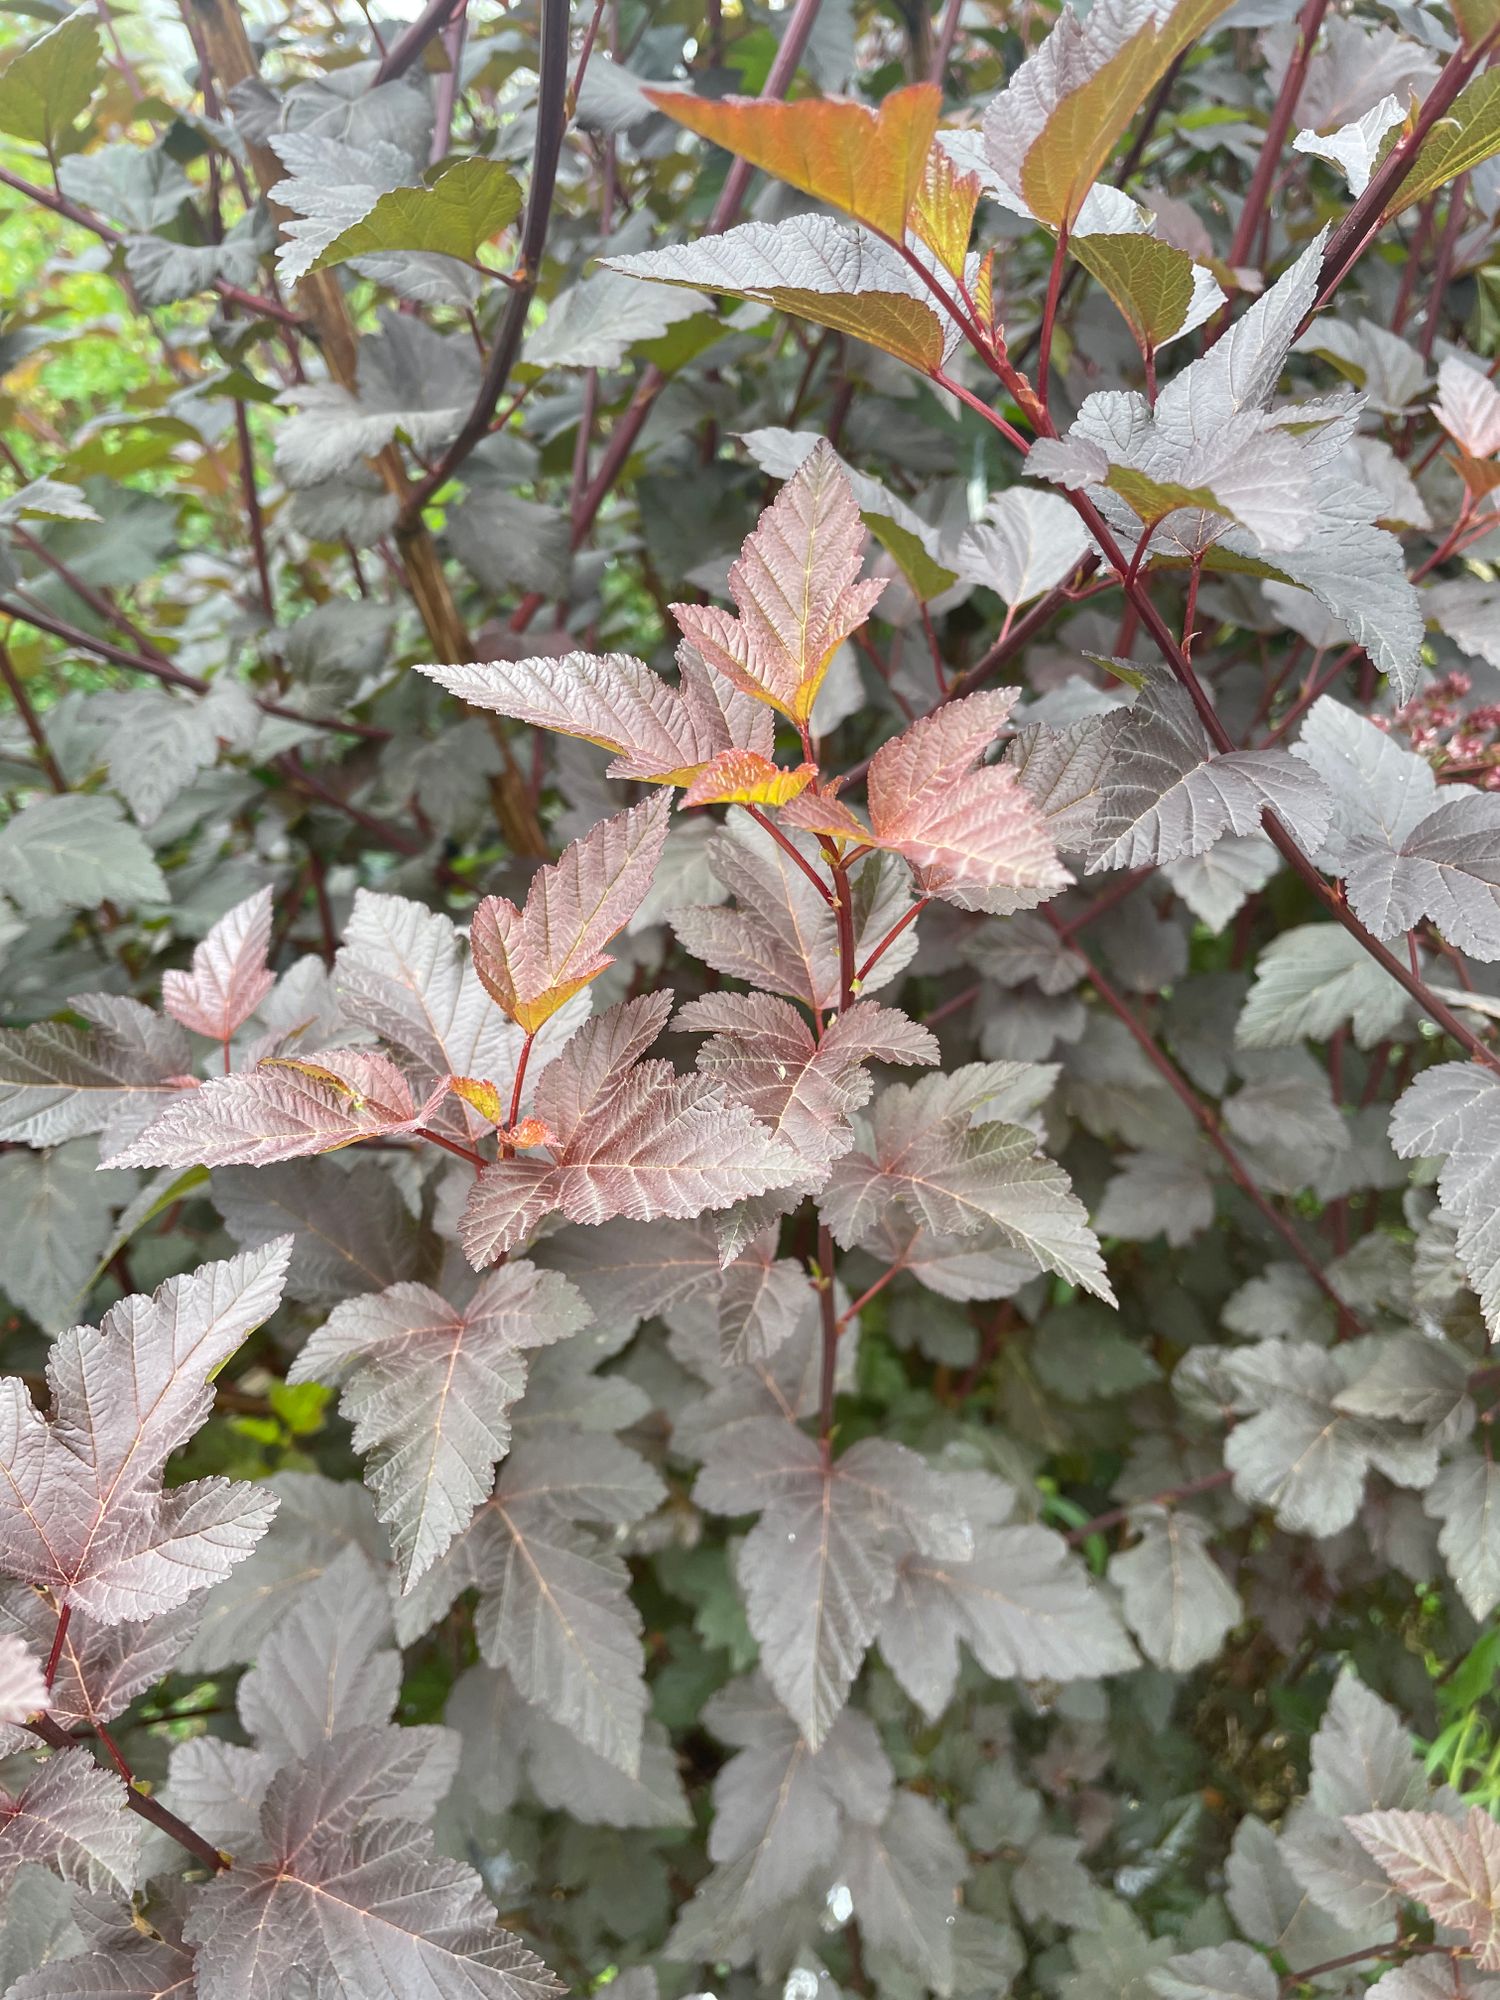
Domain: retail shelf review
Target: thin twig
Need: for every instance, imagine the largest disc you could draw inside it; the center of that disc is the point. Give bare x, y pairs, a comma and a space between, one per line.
162, 669
1115, 1515
726, 209
405, 50
1207, 1120
31, 720
769, 826
1309, 25
141, 1803
253, 514
70, 211
552, 119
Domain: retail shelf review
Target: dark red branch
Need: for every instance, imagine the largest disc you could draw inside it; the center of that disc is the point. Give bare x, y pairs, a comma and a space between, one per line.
141, 1803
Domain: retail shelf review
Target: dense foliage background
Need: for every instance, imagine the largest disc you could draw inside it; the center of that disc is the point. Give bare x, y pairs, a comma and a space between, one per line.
1022, 1523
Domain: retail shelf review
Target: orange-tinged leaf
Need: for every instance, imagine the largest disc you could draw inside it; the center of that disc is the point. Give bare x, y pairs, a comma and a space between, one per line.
943, 215
529, 1132
969, 830
868, 163
740, 778
797, 591
983, 292
658, 732
821, 813
1480, 476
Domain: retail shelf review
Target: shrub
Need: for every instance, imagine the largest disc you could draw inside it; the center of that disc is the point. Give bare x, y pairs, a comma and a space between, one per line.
897, 1307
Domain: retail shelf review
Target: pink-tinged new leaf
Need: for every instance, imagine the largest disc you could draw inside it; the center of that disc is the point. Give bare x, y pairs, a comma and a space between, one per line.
820, 812
635, 1140
973, 836
1450, 1865
657, 732
763, 1054
230, 975
1468, 407
281, 1110
428, 1388
71, 1818
796, 590
780, 935
83, 1513
23, 1687
403, 971
533, 960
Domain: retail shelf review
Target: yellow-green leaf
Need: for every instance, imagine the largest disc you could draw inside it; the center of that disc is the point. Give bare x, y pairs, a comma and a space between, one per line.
463, 209
942, 215
1150, 281
45, 88
1153, 499
927, 577
1477, 20
1465, 138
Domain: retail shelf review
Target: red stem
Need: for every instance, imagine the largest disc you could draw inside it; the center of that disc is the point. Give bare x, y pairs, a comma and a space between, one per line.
32, 720
890, 938
141, 1803
410, 44
1207, 1484
1360, 226
629, 427
769, 825
252, 509
63, 1619
476, 1160
1309, 22
1443, 267
508, 1152
1049, 311
870, 1292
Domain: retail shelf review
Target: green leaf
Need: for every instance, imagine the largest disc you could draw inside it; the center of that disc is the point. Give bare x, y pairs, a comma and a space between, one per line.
1476, 19
1151, 282
1153, 499
73, 852
1468, 136
45, 87
463, 209
161, 1192
927, 577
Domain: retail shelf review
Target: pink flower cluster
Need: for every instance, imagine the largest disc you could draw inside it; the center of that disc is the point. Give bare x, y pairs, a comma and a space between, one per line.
1462, 744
